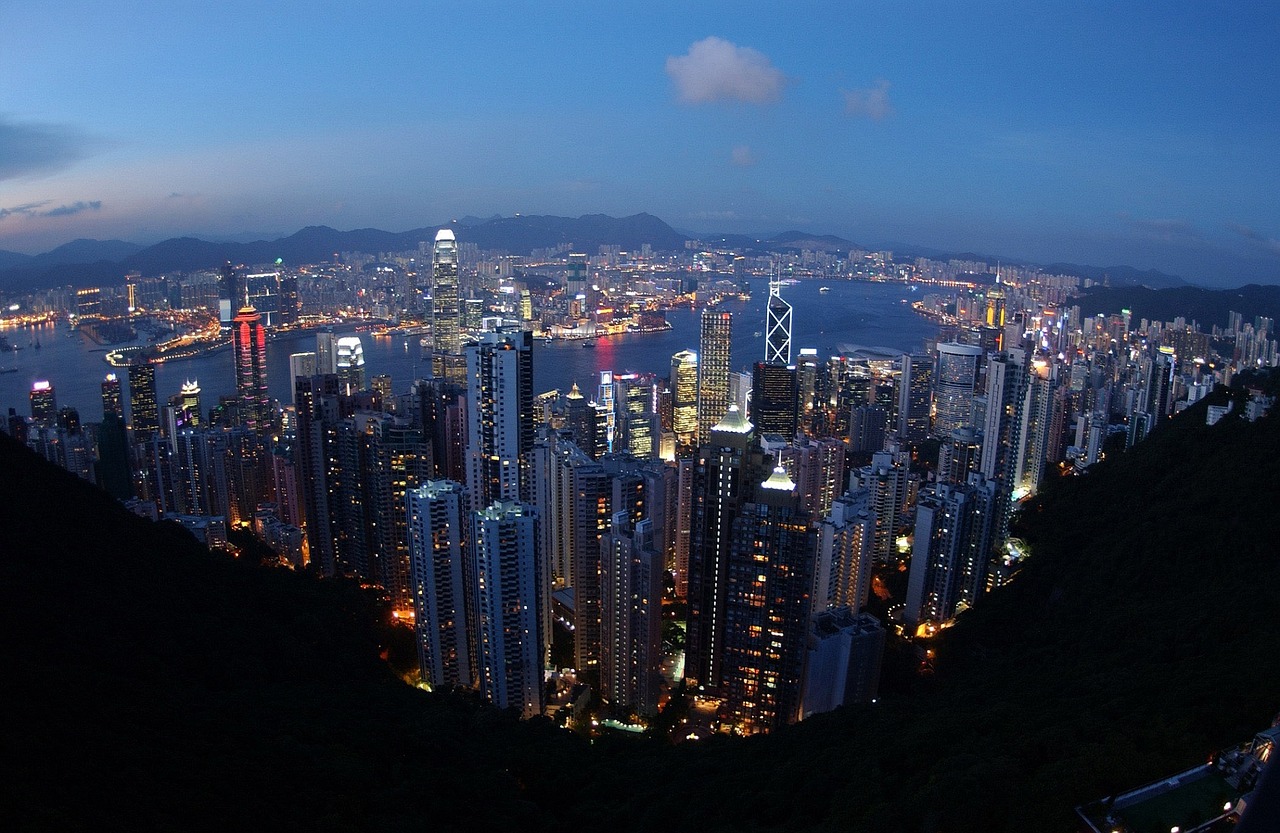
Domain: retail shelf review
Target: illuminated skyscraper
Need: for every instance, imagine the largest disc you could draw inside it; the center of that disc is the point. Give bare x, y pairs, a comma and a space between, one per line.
915, 389
447, 361
500, 413
112, 401
714, 346
438, 525
190, 400
249, 340
777, 333
350, 364
44, 404
144, 412
684, 396
957, 374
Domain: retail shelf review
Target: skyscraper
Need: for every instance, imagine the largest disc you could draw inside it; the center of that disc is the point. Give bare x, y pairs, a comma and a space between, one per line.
508, 639
957, 375
112, 401
773, 399
500, 415
915, 388
350, 363
777, 333
446, 325
684, 396
438, 526
714, 345
144, 412
249, 339
189, 397
44, 404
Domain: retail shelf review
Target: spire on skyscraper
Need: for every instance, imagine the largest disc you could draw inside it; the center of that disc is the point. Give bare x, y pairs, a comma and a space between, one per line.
777, 335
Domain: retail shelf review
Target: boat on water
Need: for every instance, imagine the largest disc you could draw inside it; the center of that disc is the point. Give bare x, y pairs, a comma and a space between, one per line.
8, 370
757, 334
590, 345
824, 289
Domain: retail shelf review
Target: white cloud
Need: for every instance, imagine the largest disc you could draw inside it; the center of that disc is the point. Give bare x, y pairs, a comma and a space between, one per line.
742, 156
717, 70
872, 102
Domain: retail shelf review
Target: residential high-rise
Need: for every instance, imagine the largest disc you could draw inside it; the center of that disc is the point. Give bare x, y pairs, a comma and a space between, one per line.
1006, 402
249, 341
112, 401
508, 657
144, 411
438, 527
500, 416
714, 346
951, 551
447, 360
631, 570
684, 396
957, 374
844, 656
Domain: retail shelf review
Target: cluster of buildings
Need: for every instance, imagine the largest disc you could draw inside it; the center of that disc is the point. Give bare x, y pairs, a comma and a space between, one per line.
718, 526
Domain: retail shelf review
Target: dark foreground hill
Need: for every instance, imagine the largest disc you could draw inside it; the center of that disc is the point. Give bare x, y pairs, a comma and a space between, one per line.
150, 684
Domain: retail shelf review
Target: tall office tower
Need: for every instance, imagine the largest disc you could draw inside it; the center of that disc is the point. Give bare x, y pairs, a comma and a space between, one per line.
995, 313
577, 275
777, 330
290, 306
114, 473
508, 658
888, 480
773, 399
867, 426
438, 515
578, 419
843, 664
262, 292
957, 374
231, 295
846, 537
768, 582
349, 364
112, 401
631, 570
605, 399
915, 391
714, 346
44, 403
249, 339
1033, 440
500, 415
723, 471
300, 364
189, 399
447, 360
684, 396
685, 496
1006, 398
326, 353
951, 551
319, 411
807, 378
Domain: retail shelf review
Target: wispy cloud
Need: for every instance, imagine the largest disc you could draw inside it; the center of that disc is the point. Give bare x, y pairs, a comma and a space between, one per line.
37, 209
1268, 244
872, 102
717, 70
35, 149
742, 156
1164, 230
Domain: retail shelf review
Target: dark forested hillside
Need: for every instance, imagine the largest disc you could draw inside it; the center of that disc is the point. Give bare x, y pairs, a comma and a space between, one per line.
150, 682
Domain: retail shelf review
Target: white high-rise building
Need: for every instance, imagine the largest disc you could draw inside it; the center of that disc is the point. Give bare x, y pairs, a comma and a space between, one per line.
438, 550
508, 627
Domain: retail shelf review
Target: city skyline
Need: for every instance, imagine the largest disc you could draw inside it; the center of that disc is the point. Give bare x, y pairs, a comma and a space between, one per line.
1100, 136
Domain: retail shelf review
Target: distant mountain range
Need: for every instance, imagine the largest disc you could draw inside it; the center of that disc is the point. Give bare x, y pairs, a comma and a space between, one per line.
1204, 306
98, 262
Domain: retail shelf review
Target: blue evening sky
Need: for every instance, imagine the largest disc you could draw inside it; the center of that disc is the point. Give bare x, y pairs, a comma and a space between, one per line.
1103, 133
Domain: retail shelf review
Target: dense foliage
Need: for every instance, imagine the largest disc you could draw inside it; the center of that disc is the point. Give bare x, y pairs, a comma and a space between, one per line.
152, 684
